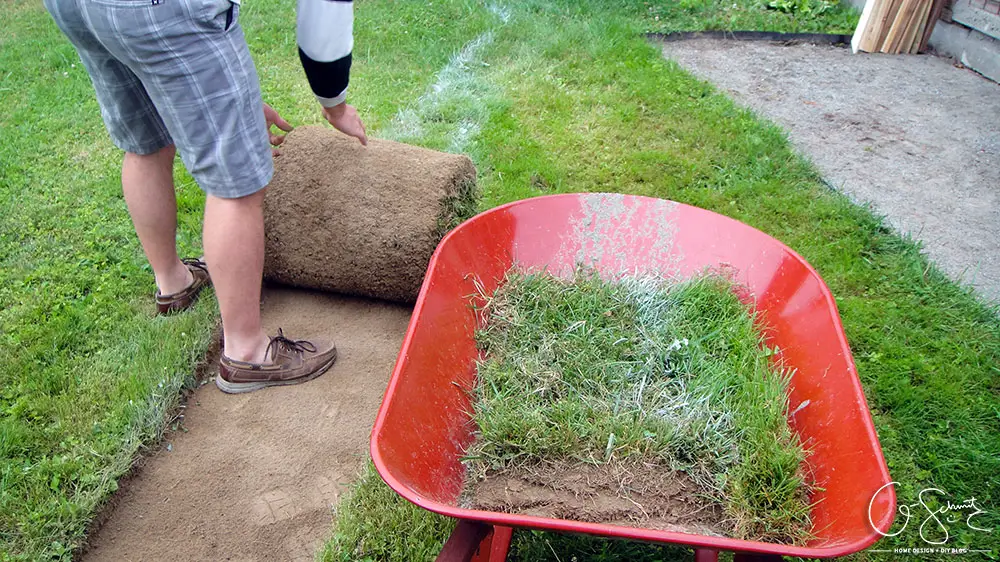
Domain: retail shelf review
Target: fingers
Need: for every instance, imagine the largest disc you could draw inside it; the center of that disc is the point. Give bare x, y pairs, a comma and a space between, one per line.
345, 119
363, 137
357, 130
361, 133
271, 117
282, 124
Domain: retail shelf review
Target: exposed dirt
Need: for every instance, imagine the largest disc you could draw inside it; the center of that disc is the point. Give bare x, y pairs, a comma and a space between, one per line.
913, 135
642, 495
255, 476
361, 221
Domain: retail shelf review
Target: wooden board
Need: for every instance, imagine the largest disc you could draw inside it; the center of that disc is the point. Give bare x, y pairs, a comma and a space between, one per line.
936, 10
880, 18
885, 25
862, 31
900, 26
894, 26
913, 39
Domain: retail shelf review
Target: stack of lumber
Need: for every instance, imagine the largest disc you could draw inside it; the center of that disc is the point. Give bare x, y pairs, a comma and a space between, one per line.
896, 26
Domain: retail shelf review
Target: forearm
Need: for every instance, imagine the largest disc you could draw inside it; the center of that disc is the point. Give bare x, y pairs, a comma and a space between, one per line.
325, 34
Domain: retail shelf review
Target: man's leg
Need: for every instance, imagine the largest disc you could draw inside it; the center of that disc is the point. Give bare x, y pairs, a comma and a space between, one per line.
234, 251
148, 183
136, 127
206, 98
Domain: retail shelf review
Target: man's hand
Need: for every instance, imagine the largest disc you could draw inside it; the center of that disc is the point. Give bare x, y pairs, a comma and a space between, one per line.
345, 119
272, 118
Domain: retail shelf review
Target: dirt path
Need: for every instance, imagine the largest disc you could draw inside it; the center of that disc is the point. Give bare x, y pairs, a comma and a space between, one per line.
256, 475
913, 135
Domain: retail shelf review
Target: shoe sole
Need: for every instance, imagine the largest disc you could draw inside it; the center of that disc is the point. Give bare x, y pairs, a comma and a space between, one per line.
241, 387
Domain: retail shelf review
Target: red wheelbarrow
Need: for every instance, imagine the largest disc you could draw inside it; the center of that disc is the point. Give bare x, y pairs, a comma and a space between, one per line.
424, 426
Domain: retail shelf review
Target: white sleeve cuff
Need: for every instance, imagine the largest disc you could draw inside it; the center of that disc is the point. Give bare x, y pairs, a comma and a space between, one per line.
333, 102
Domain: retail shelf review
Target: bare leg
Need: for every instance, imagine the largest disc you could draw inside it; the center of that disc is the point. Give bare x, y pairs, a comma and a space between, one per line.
148, 184
234, 251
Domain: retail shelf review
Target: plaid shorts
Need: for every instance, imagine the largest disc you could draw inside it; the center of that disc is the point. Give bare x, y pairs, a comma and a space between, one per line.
176, 72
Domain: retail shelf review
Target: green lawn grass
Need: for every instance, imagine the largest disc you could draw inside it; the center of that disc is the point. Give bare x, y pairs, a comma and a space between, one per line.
588, 105
640, 371
88, 376
566, 96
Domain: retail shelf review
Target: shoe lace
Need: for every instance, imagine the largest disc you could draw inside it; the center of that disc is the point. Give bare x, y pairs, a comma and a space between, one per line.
295, 346
196, 263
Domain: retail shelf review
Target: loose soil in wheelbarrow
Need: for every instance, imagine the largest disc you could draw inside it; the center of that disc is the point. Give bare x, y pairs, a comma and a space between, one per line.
638, 402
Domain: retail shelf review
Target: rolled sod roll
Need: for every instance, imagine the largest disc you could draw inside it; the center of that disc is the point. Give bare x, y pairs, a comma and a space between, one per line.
357, 220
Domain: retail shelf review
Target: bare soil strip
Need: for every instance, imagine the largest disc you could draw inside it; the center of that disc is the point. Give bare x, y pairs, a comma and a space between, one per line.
255, 476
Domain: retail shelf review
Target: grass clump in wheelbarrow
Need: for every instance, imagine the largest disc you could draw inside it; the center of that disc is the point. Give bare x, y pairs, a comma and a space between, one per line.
636, 402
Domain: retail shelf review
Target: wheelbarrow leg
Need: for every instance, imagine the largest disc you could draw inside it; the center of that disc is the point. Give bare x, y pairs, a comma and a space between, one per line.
706, 555
472, 541
464, 542
501, 543
748, 557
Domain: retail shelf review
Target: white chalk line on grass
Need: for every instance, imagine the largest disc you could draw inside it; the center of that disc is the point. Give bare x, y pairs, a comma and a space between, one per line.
502, 11
460, 87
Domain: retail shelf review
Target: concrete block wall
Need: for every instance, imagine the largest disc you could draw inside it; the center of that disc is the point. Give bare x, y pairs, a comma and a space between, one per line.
972, 48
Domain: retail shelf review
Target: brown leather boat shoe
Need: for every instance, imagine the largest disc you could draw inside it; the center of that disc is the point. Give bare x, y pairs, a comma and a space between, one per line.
292, 362
183, 300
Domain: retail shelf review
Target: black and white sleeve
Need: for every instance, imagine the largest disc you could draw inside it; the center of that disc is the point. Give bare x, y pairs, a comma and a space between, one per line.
325, 34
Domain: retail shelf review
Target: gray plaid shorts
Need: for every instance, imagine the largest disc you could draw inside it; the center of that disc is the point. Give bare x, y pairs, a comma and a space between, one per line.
176, 72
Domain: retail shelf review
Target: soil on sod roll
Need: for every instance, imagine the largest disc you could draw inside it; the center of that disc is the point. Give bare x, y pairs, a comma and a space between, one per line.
638, 402
358, 220
633, 494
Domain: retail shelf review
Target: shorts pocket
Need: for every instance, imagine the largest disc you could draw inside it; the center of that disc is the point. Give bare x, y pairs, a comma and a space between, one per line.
220, 15
232, 15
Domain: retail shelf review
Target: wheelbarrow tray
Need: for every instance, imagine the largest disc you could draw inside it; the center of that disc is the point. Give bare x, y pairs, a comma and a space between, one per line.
424, 425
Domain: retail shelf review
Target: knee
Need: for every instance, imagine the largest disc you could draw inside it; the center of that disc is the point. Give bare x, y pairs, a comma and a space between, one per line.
254, 200
168, 152
165, 154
